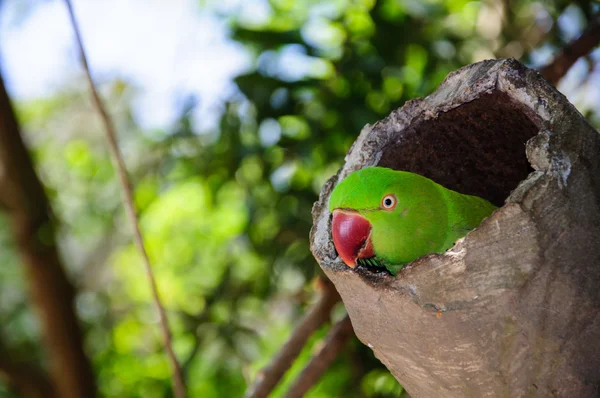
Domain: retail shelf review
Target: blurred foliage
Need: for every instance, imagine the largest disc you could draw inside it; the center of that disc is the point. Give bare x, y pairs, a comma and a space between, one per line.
226, 213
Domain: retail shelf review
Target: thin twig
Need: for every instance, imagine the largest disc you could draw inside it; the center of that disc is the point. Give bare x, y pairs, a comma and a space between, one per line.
578, 48
268, 378
335, 342
121, 170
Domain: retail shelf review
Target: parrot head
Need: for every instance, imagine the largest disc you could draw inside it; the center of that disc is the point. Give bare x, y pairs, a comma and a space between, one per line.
380, 218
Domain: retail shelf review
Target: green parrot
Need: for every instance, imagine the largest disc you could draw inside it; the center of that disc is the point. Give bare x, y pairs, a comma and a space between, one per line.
385, 218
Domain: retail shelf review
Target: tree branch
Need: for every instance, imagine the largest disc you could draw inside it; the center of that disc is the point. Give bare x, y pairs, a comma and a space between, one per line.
121, 170
578, 48
24, 199
336, 340
268, 378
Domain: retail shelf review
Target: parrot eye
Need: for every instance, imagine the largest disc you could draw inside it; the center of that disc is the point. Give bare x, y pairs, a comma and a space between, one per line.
389, 202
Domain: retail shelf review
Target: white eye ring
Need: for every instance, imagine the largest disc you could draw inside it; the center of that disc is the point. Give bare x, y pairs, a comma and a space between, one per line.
389, 202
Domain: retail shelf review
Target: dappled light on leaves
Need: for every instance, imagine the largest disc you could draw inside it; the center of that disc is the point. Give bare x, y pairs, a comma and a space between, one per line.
225, 210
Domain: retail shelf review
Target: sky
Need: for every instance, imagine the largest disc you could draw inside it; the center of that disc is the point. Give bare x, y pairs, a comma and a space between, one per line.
167, 49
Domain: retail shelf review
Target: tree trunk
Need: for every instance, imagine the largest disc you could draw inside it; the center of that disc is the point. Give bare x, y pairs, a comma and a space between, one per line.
513, 309
23, 198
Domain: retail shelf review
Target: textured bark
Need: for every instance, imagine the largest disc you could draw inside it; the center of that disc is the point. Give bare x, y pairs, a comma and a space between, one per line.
23, 198
513, 309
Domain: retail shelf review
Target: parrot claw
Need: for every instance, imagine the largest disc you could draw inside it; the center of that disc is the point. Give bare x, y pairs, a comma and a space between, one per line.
372, 263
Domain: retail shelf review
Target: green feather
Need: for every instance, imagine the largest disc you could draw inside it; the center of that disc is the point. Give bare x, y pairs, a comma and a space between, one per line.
428, 218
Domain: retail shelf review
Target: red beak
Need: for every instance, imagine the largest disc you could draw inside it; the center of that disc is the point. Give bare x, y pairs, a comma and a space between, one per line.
351, 236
